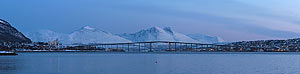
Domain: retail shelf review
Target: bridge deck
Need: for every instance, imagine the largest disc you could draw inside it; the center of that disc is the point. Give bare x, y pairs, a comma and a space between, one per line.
156, 46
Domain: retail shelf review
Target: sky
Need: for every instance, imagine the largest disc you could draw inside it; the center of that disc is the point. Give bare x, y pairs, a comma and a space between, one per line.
232, 20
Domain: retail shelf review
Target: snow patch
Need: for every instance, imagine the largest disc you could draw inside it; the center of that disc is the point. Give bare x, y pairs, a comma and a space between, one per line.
2, 21
88, 28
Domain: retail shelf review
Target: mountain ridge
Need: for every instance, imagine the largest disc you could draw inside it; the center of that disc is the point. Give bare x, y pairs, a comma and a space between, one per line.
10, 34
84, 35
88, 34
158, 34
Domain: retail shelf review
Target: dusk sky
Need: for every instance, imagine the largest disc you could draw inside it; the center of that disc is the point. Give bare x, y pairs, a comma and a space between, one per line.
232, 20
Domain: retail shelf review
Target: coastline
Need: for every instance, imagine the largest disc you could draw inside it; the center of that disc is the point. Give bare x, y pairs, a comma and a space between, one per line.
101, 52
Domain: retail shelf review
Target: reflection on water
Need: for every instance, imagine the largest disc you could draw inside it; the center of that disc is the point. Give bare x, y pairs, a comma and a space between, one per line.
8, 64
121, 63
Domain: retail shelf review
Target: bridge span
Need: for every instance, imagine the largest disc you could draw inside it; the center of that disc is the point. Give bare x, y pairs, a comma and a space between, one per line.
157, 46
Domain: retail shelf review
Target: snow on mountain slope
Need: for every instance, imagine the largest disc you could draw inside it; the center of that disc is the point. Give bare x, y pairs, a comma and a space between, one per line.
91, 35
206, 38
157, 34
47, 35
85, 35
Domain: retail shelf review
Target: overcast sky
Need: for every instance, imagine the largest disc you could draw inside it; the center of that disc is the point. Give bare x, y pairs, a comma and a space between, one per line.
232, 20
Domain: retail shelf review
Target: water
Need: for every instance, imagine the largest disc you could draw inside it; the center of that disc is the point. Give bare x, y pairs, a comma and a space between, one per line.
153, 63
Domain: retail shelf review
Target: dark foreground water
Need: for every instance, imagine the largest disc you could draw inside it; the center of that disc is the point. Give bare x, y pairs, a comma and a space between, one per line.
145, 63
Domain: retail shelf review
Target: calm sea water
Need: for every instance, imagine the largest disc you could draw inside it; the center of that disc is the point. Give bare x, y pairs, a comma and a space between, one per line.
150, 63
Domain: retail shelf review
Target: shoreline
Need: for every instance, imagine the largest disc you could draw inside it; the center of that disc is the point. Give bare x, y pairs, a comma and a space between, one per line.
161, 52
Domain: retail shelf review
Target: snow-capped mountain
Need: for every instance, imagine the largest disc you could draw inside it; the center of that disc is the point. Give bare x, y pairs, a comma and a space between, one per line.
91, 35
47, 35
10, 34
157, 34
206, 38
85, 35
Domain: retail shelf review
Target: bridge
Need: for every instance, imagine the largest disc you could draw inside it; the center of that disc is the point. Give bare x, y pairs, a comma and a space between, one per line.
157, 46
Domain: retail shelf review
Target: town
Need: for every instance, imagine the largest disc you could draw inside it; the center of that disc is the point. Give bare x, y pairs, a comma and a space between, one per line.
290, 45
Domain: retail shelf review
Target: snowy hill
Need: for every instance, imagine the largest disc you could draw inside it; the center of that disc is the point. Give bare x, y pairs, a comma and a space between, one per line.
92, 35
206, 38
47, 35
85, 35
158, 34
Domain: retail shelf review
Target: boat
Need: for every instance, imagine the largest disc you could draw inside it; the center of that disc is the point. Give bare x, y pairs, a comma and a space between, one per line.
7, 53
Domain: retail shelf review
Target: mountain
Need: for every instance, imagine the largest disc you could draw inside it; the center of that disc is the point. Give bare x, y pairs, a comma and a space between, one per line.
206, 38
47, 35
11, 34
157, 34
85, 35
91, 35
